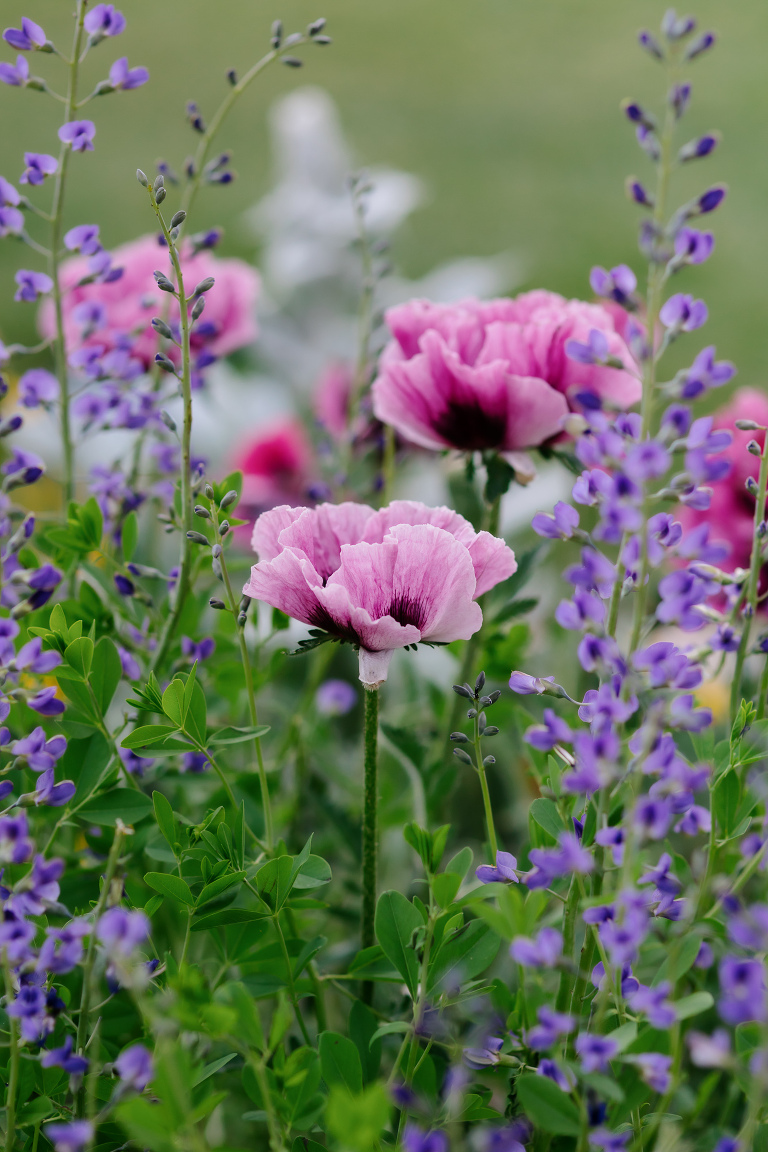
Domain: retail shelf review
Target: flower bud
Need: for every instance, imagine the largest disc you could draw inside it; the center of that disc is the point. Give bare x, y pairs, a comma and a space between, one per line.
462, 755
748, 426
651, 45
459, 738
463, 690
316, 27
701, 44
241, 620
209, 491
216, 551
197, 308
142, 178
201, 511
198, 538
204, 286
168, 420
160, 196
751, 486
159, 182
480, 682
232, 77
292, 61
178, 218
224, 527
161, 327
754, 448
228, 499
165, 363
219, 605
245, 603
276, 38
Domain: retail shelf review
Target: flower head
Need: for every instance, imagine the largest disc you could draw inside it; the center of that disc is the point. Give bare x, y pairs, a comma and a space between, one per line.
16, 75
78, 134
31, 285
121, 76
335, 698
134, 1066
103, 20
27, 38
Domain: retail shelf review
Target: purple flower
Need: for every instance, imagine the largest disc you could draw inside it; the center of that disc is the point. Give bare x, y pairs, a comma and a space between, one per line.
612, 838
335, 698
742, 983
583, 611
595, 1051
683, 313
62, 949
9, 197
695, 820
551, 1026
15, 844
46, 702
194, 762
709, 1051
505, 1139
121, 76
48, 792
595, 351
646, 461
605, 705
654, 1003
38, 166
134, 1067
12, 221
705, 957
133, 764
526, 685
74, 1137
654, 1069
121, 931
618, 284
416, 1140
199, 651
564, 1078
544, 951
749, 929
727, 1144
725, 639
684, 714
124, 586
78, 134
84, 238
609, 1141
29, 1008
484, 1057
600, 653
549, 863
553, 731
103, 20
38, 386
681, 592
692, 246
27, 38
653, 816
595, 573
39, 753
711, 199
128, 663
63, 1058
504, 871
16, 74
31, 285
559, 525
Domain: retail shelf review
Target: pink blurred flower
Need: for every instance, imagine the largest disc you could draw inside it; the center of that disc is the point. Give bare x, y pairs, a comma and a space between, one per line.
129, 303
331, 399
494, 374
379, 580
731, 512
275, 464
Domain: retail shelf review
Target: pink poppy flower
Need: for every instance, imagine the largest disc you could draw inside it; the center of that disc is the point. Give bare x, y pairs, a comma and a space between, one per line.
494, 374
128, 304
379, 580
276, 465
730, 515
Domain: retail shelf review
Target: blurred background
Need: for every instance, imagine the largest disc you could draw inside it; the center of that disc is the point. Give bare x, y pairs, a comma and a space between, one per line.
507, 112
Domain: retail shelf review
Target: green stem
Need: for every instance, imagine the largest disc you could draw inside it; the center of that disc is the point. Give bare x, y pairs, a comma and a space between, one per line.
763, 691
480, 766
250, 691
13, 1060
291, 984
85, 996
57, 225
754, 579
569, 937
370, 806
185, 557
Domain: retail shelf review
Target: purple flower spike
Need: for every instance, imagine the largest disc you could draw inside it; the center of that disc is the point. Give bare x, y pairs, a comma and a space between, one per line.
683, 313
31, 285
553, 731
121, 931
9, 197
16, 75
595, 351
121, 76
84, 238
742, 983
558, 526
693, 247
11, 222
134, 1067
416, 1140
78, 134
38, 386
74, 1137
609, 1141
102, 21
28, 38
504, 872
199, 651
618, 284
544, 951
654, 1003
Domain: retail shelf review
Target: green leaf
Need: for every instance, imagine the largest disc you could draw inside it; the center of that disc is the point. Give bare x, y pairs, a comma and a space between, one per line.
547, 1106
217, 887
195, 710
461, 863
146, 735
445, 886
340, 1061
92, 522
237, 735
396, 920
465, 955
174, 703
153, 905
169, 885
274, 881
224, 917
357, 1121
164, 817
679, 959
313, 873
212, 1068
85, 762
362, 1026
692, 1005
79, 655
546, 815
725, 801
35, 1111
515, 608
129, 535
624, 1036
395, 1028
304, 1144
106, 671
126, 803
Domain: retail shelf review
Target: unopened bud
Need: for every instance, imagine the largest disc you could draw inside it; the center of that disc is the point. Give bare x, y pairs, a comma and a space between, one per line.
459, 738
277, 34
754, 448
316, 27
488, 760
232, 76
142, 178
201, 511
168, 420
204, 286
463, 690
198, 538
245, 603
228, 499
209, 491
161, 327
748, 426
460, 754
216, 551
491, 730
178, 218
480, 682
241, 620
160, 196
159, 182
224, 527
219, 605
197, 308
165, 363
292, 61
751, 486
762, 529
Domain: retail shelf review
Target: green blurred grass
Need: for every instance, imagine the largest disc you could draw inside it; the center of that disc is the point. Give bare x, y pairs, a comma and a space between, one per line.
509, 109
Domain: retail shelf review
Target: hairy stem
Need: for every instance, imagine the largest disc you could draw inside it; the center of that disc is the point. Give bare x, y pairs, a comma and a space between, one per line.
370, 816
